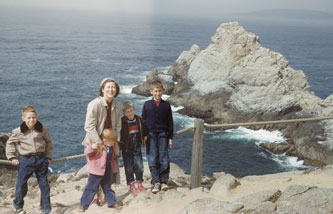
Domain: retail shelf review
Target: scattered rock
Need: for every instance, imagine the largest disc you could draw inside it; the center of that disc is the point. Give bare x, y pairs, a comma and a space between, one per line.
223, 185
205, 205
259, 197
277, 148
65, 177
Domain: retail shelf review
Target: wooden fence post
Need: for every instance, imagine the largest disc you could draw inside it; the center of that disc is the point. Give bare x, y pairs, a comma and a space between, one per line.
197, 148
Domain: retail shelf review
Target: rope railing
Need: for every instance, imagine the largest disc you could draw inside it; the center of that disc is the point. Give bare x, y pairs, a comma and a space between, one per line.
7, 162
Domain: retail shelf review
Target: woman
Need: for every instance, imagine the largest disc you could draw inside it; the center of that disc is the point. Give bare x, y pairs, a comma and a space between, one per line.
104, 112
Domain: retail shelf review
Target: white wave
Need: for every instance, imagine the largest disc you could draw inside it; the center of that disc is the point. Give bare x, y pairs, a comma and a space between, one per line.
260, 135
289, 162
126, 89
183, 120
165, 97
174, 108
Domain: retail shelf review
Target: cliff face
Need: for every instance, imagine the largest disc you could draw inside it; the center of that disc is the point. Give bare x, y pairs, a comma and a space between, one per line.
236, 80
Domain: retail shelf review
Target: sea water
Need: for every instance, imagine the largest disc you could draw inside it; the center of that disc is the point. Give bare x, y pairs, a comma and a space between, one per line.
55, 60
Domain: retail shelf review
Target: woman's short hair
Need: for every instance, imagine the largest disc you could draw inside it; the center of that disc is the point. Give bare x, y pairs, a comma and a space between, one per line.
103, 85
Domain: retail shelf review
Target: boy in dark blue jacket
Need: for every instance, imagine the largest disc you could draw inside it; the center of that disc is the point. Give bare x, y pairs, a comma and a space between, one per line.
157, 117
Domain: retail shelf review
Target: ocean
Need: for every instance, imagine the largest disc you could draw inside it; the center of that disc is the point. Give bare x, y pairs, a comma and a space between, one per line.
55, 60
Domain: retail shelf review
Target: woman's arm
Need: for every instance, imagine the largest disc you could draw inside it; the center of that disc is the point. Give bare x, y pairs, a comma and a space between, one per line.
90, 125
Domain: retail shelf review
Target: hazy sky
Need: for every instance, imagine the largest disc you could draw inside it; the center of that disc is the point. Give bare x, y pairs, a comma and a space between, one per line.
186, 7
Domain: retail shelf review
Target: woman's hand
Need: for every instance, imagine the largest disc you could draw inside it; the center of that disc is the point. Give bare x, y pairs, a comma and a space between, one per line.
94, 146
15, 162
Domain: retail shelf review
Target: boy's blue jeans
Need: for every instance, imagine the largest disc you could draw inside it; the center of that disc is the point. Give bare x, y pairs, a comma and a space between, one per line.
28, 165
133, 162
94, 181
158, 157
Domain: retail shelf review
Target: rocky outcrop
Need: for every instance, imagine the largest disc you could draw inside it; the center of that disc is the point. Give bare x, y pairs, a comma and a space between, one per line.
166, 80
235, 79
3, 139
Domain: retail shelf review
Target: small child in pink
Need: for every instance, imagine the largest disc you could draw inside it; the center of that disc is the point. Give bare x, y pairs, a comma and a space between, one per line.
101, 163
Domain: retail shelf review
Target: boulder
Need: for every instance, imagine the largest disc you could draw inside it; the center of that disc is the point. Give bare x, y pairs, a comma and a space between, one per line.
223, 185
166, 80
210, 206
259, 197
266, 207
277, 148
305, 200
3, 139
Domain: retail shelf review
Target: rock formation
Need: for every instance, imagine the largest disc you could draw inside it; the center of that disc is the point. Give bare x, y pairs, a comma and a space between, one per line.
235, 79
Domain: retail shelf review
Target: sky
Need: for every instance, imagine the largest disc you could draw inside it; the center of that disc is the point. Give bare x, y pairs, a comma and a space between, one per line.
177, 7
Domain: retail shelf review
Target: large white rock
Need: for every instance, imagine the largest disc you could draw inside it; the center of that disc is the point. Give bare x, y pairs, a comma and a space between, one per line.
223, 185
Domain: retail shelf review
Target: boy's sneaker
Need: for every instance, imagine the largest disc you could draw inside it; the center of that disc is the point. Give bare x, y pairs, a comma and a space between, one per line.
81, 209
133, 190
19, 210
164, 187
140, 187
156, 188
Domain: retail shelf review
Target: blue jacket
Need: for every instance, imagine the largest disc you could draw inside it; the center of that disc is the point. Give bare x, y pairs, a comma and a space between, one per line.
157, 119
